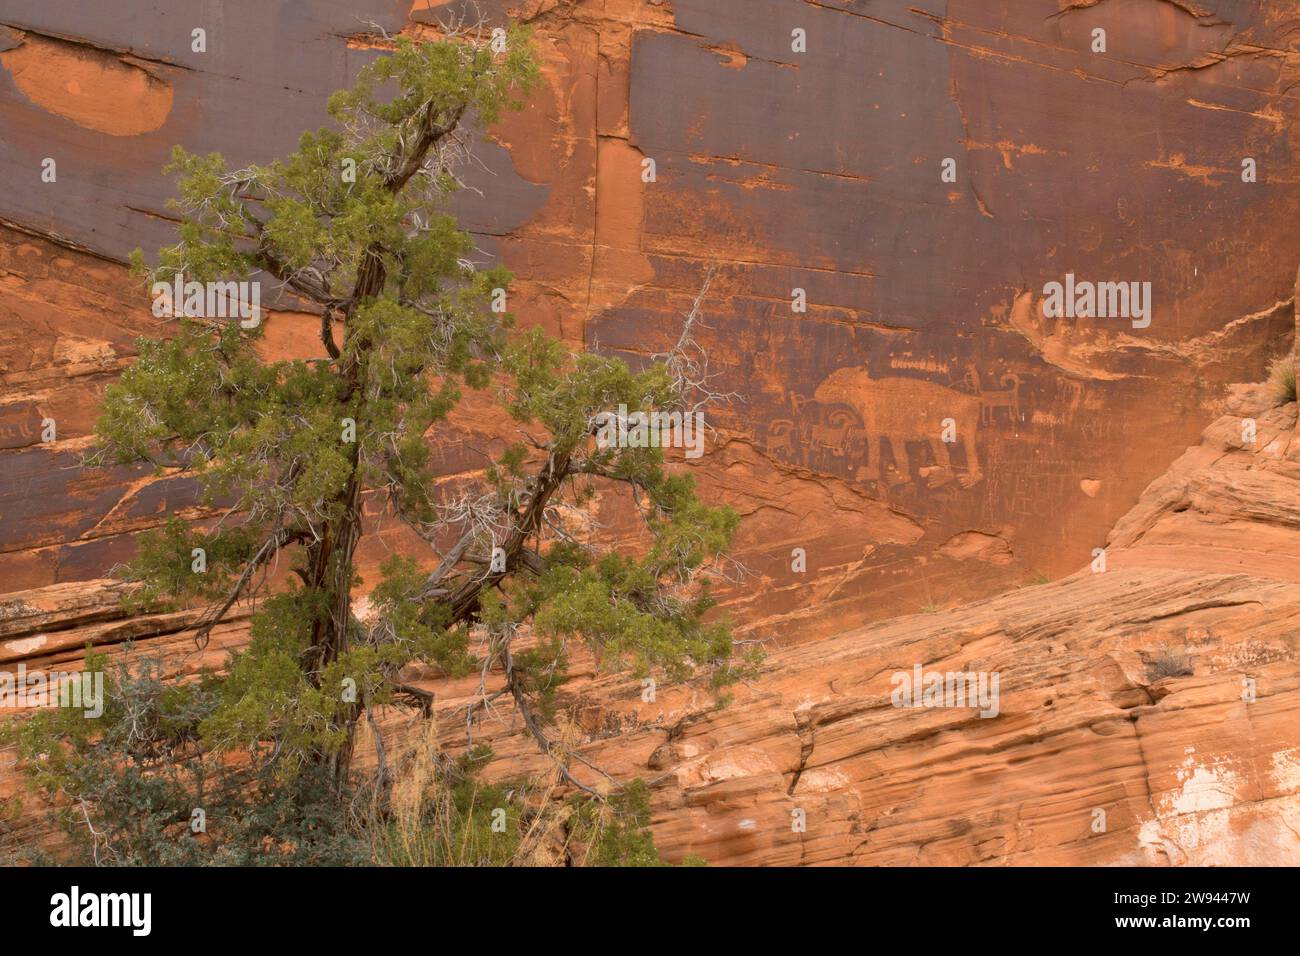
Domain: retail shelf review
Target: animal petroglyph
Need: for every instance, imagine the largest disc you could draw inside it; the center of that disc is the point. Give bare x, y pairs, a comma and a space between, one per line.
825, 437
852, 418
903, 411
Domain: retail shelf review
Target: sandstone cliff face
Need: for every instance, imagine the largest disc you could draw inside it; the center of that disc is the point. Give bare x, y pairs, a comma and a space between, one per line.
1194, 763
818, 171
1146, 712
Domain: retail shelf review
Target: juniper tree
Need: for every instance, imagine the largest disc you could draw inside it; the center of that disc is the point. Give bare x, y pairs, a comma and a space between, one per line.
356, 223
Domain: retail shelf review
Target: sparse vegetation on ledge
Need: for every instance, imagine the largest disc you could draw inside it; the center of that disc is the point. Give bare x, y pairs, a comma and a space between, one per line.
1281, 376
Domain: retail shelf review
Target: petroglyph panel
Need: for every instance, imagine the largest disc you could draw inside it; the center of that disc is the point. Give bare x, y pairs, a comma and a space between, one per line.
782, 170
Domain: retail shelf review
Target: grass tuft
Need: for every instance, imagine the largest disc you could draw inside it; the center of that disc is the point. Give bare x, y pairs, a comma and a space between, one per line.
1169, 663
1281, 375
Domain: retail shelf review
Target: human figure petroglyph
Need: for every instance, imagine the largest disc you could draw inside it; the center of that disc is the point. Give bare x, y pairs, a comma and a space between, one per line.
1007, 397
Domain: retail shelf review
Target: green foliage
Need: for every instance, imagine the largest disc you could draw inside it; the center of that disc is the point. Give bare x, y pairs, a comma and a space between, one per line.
455, 819
165, 566
356, 222
442, 77
467, 822
619, 834
633, 612
123, 790
125, 786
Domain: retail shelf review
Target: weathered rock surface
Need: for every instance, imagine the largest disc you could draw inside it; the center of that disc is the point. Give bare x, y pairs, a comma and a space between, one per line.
1147, 713
817, 171
1101, 752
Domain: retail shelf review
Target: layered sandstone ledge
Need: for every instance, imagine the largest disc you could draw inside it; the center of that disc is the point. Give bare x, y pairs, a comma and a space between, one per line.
1186, 767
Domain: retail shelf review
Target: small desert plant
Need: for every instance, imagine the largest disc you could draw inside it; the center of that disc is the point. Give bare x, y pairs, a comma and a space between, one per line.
443, 814
1281, 376
139, 787
1169, 663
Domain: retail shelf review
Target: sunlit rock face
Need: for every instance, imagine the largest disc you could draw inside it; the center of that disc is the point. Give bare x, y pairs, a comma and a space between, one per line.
892, 200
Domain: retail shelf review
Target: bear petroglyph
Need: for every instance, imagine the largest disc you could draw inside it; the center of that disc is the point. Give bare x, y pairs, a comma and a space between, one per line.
903, 411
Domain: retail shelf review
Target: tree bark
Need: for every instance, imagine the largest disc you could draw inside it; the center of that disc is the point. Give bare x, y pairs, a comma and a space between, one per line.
330, 561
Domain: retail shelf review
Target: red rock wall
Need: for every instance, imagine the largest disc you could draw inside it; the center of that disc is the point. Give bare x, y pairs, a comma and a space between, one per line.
818, 170
1097, 755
